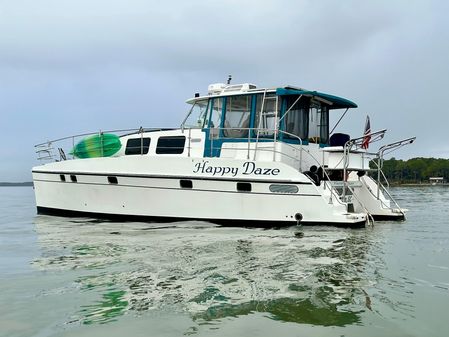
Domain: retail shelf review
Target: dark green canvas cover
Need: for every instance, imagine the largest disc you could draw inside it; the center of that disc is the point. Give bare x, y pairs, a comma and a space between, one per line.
336, 102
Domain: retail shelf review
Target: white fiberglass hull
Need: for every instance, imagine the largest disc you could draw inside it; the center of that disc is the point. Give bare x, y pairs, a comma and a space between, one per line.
237, 197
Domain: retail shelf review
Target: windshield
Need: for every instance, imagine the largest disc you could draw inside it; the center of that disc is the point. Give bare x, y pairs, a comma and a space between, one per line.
197, 115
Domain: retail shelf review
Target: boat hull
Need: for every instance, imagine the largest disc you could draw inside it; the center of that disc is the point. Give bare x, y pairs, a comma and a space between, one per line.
234, 201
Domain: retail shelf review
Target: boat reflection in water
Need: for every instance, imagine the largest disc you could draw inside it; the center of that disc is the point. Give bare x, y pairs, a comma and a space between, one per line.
208, 272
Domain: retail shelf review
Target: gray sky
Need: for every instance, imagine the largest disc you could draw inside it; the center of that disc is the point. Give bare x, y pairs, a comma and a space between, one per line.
68, 66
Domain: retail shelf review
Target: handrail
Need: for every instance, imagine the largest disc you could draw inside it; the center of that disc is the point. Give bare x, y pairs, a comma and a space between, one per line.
375, 136
48, 149
107, 131
393, 146
379, 164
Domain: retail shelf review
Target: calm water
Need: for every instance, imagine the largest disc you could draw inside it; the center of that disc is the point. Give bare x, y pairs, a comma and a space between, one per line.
72, 277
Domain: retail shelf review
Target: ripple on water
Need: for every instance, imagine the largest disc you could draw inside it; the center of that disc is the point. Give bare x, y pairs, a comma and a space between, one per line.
210, 272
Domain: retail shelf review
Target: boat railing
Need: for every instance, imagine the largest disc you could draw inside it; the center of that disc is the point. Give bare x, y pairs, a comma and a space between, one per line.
356, 143
378, 162
252, 139
54, 150
381, 175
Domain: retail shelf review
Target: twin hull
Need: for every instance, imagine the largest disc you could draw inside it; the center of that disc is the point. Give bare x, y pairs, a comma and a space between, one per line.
171, 188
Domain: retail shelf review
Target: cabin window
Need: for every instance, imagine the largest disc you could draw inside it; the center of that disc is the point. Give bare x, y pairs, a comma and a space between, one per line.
197, 115
244, 187
314, 124
266, 114
73, 178
318, 123
170, 145
297, 118
324, 125
237, 117
137, 146
216, 112
62, 177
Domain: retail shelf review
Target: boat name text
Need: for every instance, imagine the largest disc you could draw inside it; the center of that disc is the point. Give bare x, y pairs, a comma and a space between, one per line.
246, 169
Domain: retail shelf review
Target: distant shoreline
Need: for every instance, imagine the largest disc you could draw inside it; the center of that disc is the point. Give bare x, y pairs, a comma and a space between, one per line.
27, 183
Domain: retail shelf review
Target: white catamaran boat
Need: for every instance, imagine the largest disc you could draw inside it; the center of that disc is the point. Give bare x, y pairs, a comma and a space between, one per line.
243, 156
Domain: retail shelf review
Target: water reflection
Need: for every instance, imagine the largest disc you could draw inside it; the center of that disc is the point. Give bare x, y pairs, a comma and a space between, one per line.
210, 272
111, 306
284, 309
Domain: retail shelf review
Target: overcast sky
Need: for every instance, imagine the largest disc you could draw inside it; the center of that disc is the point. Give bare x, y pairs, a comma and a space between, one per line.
68, 66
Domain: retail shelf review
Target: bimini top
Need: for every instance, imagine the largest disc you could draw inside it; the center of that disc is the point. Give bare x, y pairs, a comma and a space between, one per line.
221, 89
334, 102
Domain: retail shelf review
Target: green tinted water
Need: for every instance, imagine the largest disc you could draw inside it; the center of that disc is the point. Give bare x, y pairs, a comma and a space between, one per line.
71, 277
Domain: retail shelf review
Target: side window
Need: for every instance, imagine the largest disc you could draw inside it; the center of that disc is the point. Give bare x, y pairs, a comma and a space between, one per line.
170, 145
297, 118
324, 127
137, 146
237, 118
266, 113
215, 117
314, 123
318, 123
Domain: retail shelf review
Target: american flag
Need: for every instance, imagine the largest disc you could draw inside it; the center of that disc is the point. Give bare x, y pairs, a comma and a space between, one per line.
366, 134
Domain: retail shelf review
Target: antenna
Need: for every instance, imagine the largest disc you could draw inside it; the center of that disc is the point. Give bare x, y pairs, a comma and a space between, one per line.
229, 79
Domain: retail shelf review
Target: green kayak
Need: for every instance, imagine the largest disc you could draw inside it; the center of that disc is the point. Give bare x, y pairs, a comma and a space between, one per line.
100, 145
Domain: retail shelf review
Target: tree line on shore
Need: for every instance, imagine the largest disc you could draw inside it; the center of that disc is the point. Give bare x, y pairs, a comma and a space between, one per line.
415, 170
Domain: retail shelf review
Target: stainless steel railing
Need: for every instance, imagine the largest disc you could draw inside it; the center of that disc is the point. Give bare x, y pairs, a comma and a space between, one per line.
47, 150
